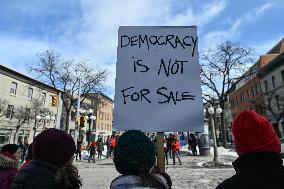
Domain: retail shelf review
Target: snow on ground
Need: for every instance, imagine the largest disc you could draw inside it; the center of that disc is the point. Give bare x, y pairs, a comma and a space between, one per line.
188, 175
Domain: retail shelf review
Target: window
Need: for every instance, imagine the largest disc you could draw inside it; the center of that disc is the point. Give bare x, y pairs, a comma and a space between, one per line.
248, 94
28, 113
266, 86
108, 127
13, 89
43, 97
277, 101
273, 81
107, 116
252, 91
282, 75
256, 89
30, 93
10, 111
102, 126
50, 99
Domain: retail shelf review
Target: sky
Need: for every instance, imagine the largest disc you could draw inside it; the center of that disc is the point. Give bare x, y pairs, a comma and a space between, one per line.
88, 29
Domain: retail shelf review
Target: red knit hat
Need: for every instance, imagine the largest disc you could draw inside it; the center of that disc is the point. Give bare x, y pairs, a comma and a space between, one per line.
254, 133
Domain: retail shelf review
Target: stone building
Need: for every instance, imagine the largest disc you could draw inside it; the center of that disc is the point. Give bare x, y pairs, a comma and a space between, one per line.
248, 94
23, 99
102, 106
272, 83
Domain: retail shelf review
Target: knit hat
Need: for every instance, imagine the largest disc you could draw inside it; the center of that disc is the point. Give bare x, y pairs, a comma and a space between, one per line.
134, 153
53, 146
10, 148
254, 133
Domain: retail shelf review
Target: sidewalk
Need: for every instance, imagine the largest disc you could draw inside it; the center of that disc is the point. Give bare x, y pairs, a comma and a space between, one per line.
191, 174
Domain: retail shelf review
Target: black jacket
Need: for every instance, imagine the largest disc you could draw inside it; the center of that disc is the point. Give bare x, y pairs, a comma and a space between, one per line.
256, 170
37, 175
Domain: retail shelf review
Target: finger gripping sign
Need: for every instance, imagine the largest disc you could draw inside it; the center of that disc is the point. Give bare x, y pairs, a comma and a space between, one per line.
158, 86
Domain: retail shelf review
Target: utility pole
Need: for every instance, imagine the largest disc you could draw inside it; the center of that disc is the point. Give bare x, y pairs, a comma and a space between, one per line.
78, 113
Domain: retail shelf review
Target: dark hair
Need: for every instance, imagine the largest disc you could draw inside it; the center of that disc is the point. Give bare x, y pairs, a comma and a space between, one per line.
30, 152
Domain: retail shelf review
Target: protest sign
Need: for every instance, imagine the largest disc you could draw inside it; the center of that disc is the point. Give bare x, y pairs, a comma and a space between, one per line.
158, 86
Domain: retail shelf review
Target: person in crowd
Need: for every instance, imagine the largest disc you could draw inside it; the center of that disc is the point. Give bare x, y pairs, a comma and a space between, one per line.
112, 143
134, 159
25, 150
166, 150
28, 157
107, 143
175, 149
21, 146
78, 149
169, 144
100, 147
10, 155
51, 166
193, 144
259, 164
92, 151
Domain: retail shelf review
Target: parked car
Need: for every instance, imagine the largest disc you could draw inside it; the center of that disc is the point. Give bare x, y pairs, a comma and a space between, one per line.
282, 147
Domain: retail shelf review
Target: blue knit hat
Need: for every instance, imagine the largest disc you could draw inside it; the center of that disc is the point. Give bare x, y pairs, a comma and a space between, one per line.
134, 153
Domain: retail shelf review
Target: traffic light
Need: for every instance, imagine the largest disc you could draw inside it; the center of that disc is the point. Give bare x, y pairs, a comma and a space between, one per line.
82, 121
54, 100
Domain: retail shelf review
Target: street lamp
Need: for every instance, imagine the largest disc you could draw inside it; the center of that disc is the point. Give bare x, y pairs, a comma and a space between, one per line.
91, 119
211, 112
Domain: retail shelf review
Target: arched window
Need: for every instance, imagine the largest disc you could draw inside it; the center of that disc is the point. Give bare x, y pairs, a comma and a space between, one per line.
273, 81
266, 86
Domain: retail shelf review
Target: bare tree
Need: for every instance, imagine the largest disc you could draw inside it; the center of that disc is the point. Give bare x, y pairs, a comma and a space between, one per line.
22, 114
65, 75
37, 108
3, 107
221, 69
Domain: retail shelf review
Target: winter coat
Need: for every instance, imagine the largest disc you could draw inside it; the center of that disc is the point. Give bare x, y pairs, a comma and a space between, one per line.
112, 143
41, 175
36, 175
136, 182
100, 146
262, 170
175, 146
8, 170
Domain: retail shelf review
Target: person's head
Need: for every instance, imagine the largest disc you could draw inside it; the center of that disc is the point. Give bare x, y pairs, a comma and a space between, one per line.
191, 135
53, 146
254, 133
134, 153
11, 150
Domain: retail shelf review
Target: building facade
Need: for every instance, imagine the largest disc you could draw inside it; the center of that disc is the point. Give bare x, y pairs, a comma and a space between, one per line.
102, 107
26, 107
272, 83
256, 91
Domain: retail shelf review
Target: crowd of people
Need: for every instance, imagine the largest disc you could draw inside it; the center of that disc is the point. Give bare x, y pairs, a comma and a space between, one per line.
97, 147
49, 160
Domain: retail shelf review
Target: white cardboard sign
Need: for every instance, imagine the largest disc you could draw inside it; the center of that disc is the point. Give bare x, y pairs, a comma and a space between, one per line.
158, 86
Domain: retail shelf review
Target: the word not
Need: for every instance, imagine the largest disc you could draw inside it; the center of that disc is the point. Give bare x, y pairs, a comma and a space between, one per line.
174, 96
135, 96
161, 40
171, 68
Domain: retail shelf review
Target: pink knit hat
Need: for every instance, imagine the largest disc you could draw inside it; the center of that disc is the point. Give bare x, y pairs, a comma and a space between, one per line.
254, 133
